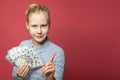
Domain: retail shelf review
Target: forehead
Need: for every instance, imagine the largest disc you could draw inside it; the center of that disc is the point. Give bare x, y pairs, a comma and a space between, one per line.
39, 17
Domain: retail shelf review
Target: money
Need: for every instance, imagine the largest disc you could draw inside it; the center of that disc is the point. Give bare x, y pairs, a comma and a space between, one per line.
21, 55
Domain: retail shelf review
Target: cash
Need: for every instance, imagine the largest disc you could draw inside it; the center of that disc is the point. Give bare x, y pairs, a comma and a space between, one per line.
21, 55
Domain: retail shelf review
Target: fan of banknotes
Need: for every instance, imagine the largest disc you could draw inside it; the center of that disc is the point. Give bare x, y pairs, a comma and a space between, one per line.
21, 55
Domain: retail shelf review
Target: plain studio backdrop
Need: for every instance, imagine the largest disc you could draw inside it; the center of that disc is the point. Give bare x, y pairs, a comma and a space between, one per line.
87, 30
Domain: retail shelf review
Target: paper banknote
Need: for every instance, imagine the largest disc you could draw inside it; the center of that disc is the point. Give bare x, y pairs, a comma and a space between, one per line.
21, 55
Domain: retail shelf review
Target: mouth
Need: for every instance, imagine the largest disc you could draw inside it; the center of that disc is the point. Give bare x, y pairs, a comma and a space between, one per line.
39, 37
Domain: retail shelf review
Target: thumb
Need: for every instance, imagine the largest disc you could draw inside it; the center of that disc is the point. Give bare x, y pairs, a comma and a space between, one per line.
42, 65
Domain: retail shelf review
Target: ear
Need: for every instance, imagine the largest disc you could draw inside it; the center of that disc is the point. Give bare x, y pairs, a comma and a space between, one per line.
27, 26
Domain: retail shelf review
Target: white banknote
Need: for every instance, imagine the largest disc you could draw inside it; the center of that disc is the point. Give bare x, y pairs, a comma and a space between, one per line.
21, 55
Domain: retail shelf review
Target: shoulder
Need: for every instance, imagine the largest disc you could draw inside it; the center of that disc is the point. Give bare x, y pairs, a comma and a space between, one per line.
55, 47
25, 42
60, 55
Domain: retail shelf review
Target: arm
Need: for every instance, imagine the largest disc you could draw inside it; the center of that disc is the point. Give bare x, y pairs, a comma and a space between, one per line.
53, 70
59, 66
14, 74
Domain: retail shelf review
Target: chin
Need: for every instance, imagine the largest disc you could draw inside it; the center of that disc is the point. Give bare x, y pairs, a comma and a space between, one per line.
40, 40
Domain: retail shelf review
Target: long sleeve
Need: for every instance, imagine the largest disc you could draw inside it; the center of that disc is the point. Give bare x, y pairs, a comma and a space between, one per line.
14, 74
45, 51
59, 66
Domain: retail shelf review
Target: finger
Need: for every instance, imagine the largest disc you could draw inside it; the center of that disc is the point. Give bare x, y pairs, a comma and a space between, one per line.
43, 68
42, 65
26, 68
49, 66
46, 69
52, 57
22, 68
46, 65
25, 71
19, 71
49, 71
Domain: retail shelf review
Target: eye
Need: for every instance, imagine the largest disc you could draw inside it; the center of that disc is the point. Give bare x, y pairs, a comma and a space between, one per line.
44, 25
34, 26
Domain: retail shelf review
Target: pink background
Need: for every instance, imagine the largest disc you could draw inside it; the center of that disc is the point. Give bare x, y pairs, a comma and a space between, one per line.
87, 30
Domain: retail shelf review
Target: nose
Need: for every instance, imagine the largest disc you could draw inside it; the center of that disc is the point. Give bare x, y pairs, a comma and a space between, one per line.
39, 30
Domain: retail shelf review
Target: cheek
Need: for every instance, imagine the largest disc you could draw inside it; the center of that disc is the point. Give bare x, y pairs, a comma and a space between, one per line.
32, 31
46, 30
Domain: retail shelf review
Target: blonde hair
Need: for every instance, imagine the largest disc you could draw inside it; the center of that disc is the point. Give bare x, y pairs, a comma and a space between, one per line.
35, 8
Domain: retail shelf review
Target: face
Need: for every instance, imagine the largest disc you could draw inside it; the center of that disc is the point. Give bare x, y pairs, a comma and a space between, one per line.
38, 27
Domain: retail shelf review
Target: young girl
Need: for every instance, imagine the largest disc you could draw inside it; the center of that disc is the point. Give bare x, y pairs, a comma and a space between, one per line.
38, 25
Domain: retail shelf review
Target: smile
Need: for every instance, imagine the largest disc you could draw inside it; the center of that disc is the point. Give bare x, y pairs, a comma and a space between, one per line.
39, 36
